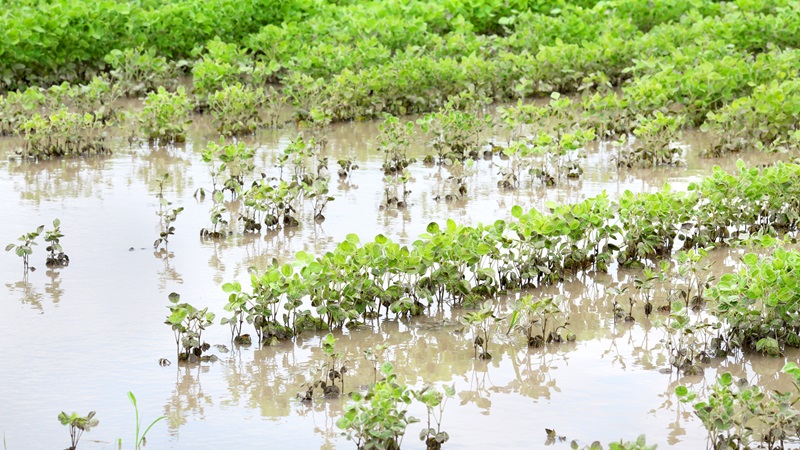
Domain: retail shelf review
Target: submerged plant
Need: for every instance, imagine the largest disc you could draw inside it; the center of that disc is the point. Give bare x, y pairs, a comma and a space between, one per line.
378, 419
738, 415
25, 249
482, 324
532, 315
77, 425
331, 370
435, 401
56, 257
188, 323
168, 215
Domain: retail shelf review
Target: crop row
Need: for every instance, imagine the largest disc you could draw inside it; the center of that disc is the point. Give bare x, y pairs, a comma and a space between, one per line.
466, 266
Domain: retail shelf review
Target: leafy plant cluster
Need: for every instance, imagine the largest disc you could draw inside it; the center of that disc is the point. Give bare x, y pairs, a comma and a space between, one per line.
69, 41
55, 257
646, 71
268, 202
760, 303
466, 266
379, 418
738, 415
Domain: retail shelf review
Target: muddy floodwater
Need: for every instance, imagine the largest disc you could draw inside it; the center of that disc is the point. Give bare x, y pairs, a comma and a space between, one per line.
79, 338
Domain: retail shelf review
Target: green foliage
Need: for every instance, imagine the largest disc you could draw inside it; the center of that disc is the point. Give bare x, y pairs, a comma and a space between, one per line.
165, 116
760, 302
454, 134
77, 425
25, 248
530, 316
56, 257
378, 419
434, 401
235, 164
62, 134
69, 40
140, 436
738, 415
762, 120
237, 109
187, 324
654, 136
138, 71
168, 215
482, 323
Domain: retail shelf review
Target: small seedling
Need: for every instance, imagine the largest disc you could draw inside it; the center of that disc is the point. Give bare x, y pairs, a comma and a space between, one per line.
56, 257
25, 249
187, 324
77, 425
140, 440
168, 215
435, 401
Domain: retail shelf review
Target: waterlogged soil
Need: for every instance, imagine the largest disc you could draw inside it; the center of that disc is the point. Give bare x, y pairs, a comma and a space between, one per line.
79, 338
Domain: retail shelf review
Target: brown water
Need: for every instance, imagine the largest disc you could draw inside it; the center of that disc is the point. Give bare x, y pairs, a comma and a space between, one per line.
79, 338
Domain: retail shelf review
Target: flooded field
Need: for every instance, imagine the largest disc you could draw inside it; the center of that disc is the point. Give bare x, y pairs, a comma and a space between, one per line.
79, 338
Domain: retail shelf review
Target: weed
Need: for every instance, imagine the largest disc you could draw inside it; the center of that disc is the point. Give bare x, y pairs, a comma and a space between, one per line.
140, 436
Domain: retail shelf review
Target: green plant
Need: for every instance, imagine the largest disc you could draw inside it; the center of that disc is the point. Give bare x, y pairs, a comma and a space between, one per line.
165, 116
455, 134
77, 425
434, 401
62, 134
346, 167
25, 249
395, 140
737, 414
57, 257
140, 436
531, 316
141, 70
235, 160
238, 306
760, 302
482, 324
188, 323
236, 109
167, 215
331, 370
654, 136
378, 419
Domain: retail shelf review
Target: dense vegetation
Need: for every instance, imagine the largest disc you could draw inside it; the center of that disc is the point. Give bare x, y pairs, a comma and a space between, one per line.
629, 73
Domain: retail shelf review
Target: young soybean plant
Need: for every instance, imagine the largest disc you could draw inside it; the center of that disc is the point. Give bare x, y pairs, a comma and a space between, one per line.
25, 249
56, 257
77, 425
168, 215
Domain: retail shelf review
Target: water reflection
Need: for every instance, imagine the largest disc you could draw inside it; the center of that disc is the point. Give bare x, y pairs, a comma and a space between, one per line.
53, 287
188, 399
26, 293
167, 273
59, 179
